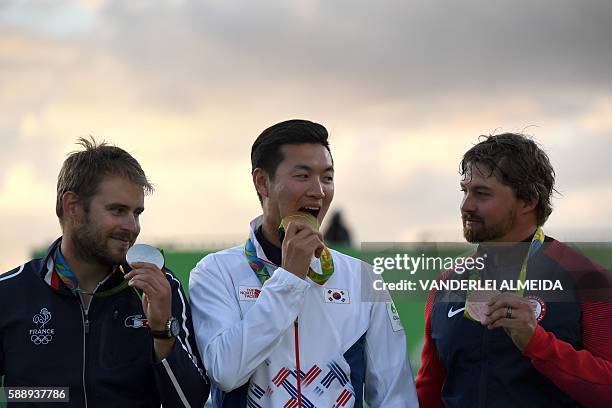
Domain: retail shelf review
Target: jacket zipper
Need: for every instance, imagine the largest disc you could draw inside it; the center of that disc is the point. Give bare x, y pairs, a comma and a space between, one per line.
85, 316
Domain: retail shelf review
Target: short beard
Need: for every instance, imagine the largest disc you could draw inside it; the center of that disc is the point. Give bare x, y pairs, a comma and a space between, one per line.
89, 245
492, 233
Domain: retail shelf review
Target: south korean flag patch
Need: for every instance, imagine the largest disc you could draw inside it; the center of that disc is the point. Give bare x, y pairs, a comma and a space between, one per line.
340, 296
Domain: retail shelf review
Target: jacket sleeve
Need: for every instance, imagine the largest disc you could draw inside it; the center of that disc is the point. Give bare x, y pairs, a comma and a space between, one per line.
2, 327
1, 354
431, 374
232, 346
180, 378
1, 360
585, 375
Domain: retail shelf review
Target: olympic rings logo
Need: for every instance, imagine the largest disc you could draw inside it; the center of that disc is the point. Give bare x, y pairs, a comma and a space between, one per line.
41, 339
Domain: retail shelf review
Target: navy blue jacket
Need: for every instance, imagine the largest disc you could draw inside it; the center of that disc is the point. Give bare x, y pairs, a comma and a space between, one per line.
483, 367
105, 356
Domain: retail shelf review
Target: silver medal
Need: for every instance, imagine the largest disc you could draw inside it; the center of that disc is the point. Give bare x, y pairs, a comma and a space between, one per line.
145, 253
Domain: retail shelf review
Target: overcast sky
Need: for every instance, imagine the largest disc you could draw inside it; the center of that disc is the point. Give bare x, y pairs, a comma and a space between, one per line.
404, 88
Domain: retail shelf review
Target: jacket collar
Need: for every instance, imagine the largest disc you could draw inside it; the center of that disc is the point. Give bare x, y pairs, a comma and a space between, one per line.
50, 277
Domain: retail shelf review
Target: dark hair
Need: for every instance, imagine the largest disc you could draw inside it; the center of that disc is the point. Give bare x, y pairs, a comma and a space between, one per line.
83, 171
266, 151
517, 161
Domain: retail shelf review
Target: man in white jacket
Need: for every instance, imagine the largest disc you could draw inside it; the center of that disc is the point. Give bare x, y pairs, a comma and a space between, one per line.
282, 321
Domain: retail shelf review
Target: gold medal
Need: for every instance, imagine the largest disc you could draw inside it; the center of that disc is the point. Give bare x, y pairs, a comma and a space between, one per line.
304, 218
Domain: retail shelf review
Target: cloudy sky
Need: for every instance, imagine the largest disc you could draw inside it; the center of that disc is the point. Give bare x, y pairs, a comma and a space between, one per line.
404, 87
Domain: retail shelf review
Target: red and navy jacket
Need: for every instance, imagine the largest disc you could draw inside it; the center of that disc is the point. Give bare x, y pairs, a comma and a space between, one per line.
567, 363
103, 354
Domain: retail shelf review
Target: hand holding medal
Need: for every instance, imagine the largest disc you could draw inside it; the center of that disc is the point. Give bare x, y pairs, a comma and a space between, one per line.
508, 310
146, 275
327, 262
513, 313
301, 240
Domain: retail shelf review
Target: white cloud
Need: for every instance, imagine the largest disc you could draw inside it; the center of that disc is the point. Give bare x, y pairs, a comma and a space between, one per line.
404, 88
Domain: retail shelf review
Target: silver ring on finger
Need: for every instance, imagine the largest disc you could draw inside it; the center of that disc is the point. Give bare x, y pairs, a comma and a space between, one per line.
509, 312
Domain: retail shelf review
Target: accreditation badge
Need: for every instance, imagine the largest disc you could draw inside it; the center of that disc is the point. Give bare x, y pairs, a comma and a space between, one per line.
394, 319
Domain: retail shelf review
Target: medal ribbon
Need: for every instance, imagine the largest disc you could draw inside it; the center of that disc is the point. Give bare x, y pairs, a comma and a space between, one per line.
261, 271
536, 244
67, 276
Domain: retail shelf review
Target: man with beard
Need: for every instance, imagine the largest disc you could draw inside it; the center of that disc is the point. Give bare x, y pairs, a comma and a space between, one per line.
80, 317
523, 347
280, 320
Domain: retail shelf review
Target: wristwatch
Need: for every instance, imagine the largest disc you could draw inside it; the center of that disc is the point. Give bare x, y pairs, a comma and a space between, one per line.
172, 330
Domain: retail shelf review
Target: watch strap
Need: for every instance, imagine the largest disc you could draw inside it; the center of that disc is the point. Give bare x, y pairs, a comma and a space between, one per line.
166, 333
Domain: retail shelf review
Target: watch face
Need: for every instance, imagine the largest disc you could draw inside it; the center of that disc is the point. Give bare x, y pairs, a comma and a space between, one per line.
175, 328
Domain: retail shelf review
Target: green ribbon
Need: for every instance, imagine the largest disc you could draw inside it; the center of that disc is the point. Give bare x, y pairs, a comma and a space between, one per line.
67, 276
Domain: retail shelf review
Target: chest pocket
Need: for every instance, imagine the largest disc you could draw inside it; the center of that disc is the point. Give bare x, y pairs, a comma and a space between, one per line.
124, 336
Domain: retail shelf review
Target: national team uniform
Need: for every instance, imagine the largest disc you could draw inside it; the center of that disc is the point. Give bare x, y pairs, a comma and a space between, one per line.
246, 335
